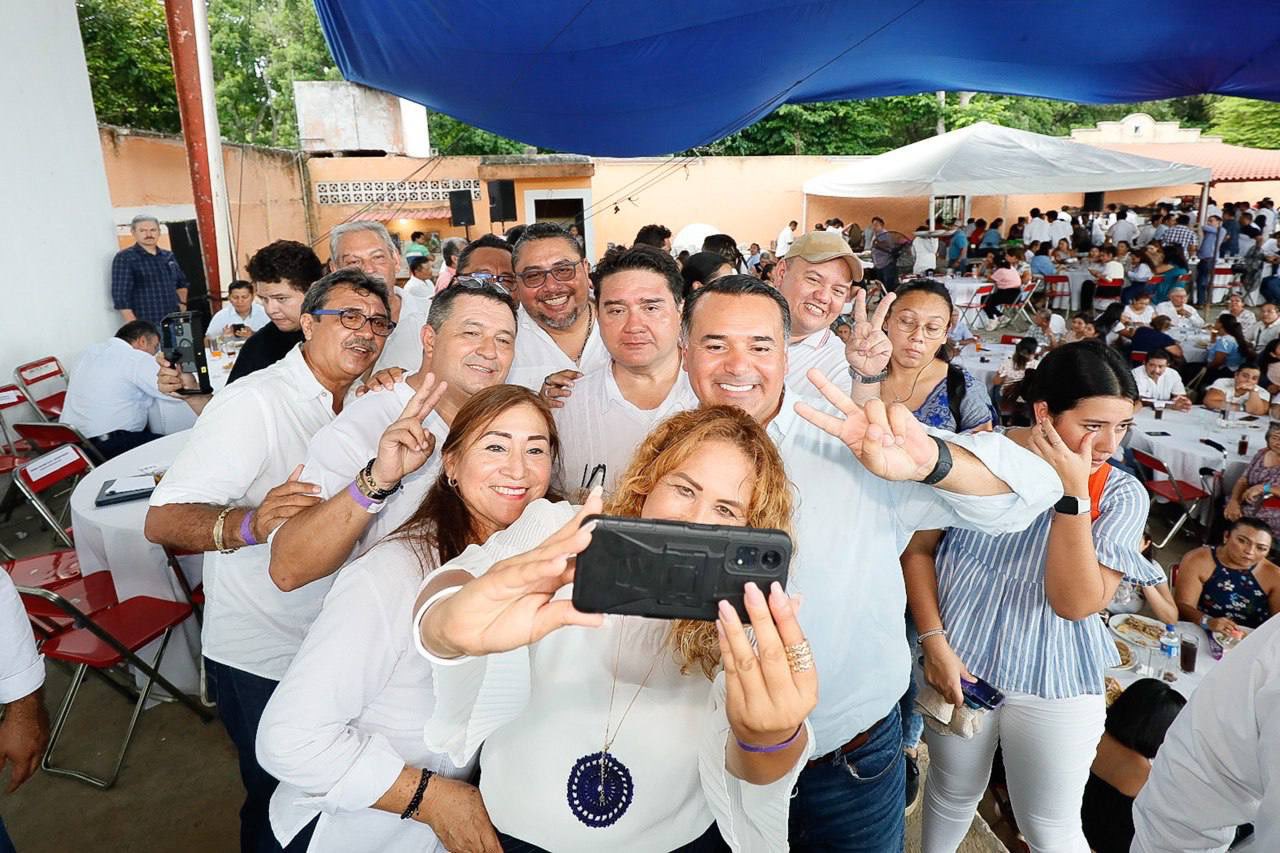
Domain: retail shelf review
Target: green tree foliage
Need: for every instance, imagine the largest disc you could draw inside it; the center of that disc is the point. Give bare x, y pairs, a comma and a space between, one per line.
127, 51
1245, 122
450, 136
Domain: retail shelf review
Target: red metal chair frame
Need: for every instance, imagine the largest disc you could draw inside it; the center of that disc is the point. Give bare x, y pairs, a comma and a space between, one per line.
1107, 290
976, 304
1186, 495
103, 640
32, 487
35, 373
43, 437
1054, 292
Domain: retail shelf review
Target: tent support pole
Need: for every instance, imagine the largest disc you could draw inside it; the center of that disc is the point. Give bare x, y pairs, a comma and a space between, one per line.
933, 201
804, 214
968, 208
1204, 202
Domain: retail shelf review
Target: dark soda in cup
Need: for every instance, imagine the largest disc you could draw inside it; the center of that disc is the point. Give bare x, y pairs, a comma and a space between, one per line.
1189, 651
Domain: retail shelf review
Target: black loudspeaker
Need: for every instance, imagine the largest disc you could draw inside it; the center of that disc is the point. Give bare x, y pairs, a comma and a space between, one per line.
461, 211
502, 201
1092, 202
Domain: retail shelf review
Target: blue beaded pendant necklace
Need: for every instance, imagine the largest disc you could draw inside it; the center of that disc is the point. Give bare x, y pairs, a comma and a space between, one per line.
600, 788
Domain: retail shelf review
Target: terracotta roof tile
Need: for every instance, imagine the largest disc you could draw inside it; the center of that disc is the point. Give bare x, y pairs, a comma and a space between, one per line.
1228, 162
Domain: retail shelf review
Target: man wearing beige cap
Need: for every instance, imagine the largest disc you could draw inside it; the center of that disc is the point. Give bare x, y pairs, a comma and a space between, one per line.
817, 278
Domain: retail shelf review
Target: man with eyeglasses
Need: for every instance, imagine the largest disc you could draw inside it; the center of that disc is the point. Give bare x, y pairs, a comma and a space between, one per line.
819, 272
488, 258
236, 480
368, 247
390, 435
558, 332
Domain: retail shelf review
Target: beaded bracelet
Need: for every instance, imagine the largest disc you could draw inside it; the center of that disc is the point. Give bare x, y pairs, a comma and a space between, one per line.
411, 810
746, 747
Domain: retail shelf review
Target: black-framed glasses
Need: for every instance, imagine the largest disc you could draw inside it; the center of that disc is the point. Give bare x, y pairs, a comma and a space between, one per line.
535, 278
354, 319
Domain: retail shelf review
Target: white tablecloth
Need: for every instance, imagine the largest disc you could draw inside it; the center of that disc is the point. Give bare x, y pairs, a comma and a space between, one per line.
1076, 275
1182, 450
1186, 682
1195, 344
972, 360
110, 539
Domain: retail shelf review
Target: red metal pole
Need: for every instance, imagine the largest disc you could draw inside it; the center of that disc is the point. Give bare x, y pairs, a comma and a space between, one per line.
186, 76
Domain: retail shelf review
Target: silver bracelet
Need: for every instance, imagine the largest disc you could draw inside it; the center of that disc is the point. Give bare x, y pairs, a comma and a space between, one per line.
933, 633
869, 380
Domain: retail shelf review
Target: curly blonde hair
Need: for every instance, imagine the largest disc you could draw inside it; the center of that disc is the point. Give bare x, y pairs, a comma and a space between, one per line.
673, 441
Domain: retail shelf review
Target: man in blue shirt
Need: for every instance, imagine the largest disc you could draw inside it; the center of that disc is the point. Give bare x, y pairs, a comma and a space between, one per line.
1042, 263
146, 281
1207, 255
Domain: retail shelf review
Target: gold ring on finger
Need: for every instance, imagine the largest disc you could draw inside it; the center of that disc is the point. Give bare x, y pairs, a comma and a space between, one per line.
799, 656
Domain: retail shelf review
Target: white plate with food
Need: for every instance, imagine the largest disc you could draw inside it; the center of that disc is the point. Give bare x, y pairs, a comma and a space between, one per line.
1229, 642
1128, 660
1137, 630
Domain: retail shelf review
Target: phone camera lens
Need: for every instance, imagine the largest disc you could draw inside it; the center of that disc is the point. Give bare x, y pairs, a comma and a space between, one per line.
771, 559
746, 555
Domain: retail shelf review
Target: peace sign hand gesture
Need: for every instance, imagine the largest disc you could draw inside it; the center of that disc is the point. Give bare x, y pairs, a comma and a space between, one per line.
888, 441
405, 446
869, 348
513, 604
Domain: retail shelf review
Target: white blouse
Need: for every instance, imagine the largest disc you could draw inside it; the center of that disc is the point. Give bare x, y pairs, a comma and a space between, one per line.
348, 715
540, 712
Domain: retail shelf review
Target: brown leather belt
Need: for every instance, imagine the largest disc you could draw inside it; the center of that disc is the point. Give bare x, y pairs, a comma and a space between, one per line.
859, 740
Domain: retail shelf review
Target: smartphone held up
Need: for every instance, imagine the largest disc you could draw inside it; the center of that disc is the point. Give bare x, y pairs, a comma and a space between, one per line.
675, 570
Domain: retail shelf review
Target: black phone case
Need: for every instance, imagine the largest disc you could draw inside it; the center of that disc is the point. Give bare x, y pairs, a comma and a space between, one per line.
182, 342
675, 570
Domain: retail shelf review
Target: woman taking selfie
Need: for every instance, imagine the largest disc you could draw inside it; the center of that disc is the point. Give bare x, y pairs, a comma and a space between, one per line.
343, 731
1019, 611
620, 732
939, 394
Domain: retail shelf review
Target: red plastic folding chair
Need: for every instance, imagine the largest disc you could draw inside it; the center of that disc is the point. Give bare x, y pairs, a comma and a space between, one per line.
36, 477
1011, 339
45, 383
1107, 291
104, 640
968, 310
42, 437
1058, 289
11, 398
1022, 305
1138, 357
1187, 496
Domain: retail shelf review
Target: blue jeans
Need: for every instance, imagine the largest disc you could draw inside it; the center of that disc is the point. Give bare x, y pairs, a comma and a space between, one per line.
854, 802
6, 843
912, 720
1204, 276
242, 697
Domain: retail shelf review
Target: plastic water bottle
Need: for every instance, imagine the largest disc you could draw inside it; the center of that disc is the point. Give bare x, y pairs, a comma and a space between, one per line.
1170, 648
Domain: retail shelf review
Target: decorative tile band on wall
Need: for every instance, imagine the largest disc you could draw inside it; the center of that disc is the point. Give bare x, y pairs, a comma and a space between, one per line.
366, 192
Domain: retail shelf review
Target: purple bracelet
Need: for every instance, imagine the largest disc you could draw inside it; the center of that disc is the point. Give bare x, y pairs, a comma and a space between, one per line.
360, 497
746, 747
246, 528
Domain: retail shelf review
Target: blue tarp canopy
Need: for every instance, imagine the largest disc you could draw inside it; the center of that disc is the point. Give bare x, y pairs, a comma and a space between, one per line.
628, 78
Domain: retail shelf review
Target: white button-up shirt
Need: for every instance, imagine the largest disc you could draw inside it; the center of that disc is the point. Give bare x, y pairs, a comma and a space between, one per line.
228, 316
1059, 229
21, 669
349, 714
247, 441
1265, 333
823, 350
1036, 229
1166, 388
600, 427
1219, 765
341, 449
112, 388
1191, 322
785, 238
850, 528
537, 355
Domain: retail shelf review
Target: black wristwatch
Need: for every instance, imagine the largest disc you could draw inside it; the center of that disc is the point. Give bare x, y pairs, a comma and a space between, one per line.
1072, 505
943, 466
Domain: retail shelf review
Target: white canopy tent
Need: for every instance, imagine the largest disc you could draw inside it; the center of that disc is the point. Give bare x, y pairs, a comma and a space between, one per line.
986, 159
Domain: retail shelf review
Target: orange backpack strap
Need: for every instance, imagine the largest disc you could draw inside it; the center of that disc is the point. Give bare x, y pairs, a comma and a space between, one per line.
1097, 482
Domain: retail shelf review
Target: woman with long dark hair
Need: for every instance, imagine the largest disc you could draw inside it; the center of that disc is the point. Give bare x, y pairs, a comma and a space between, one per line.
702, 267
343, 731
921, 377
1019, 611
1168, 263
1229, 350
